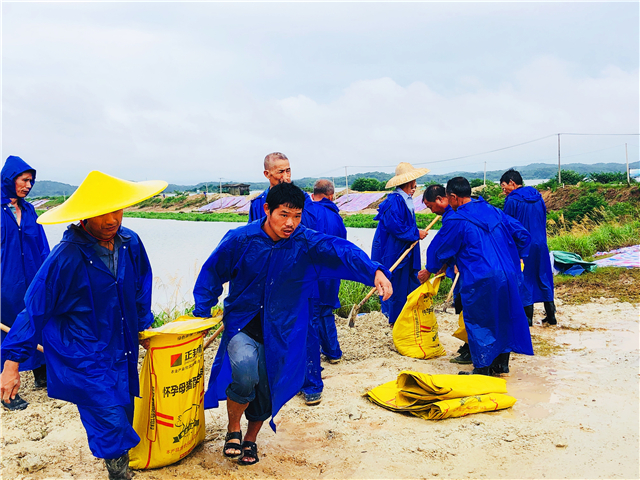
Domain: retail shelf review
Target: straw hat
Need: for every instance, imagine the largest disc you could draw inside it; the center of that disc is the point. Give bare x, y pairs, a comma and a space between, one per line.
405, 173
98, 194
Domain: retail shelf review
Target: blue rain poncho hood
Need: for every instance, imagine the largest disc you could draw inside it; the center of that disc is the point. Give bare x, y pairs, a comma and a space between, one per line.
273, 279
396, 231
486, 245
89, 320
13, 167
526, 205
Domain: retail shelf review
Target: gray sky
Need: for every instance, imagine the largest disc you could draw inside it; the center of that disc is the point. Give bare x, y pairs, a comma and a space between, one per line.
190, 92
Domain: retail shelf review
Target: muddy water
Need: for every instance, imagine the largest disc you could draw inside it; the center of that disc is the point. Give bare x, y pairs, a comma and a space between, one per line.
178, 249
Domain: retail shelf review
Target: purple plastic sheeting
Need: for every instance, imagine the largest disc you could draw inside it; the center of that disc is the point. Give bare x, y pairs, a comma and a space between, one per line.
37, 203
418, 205
354, 202
628, 257
226, 202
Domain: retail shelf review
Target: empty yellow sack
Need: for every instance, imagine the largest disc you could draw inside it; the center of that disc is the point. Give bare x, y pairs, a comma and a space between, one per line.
435, 397
415, 333
169, 418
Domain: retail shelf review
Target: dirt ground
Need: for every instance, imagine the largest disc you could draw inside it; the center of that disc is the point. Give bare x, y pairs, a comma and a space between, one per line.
577, 416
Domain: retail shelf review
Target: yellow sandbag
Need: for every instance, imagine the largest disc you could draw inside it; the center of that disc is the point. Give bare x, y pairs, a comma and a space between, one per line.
461, 332
460, 407
415, 333
169, 418
414, 391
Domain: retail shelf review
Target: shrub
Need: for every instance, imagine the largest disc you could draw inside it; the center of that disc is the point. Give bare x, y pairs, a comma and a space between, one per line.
476, 182
569, 177
367, 185
583, 206
608, 177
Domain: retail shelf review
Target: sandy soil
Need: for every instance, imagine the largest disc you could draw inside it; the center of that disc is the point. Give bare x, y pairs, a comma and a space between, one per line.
577, 416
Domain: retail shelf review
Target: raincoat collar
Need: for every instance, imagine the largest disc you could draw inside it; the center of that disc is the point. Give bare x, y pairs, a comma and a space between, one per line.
525, 194
13, 167
480, 213
325, 202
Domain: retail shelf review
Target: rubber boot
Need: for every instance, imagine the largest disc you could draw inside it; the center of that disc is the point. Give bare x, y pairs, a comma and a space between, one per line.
528, 310
40, 376
550, 311
501, 364
465, 356
478, 371
118, 468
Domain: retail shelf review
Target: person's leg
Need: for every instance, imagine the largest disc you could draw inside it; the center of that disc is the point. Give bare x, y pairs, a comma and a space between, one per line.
40, 376
243, 357
528, 310
256, 413
550, 313
328, 334
312, 386
110, 437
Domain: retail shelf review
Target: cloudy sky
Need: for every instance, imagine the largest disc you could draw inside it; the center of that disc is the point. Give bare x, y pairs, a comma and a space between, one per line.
191, 92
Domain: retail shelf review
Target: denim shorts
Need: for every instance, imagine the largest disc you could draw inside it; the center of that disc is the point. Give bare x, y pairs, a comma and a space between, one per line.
249, 377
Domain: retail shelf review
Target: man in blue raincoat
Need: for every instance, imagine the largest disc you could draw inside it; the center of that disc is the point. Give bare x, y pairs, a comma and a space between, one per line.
271, 266
526, 205
435, 198
396, 231
486, 245
24, 248
323, 336
88, 301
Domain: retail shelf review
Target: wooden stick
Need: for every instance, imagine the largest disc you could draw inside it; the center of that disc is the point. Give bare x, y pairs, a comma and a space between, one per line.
214, 336
6, 329
356, 308
455, 280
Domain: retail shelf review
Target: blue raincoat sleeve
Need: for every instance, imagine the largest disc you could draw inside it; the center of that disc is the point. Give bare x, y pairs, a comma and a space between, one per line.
144, 286
520, 235
215, 272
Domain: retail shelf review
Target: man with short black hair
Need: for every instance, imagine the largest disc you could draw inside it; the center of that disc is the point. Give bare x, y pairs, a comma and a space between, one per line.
272, 266
486, 245
323, 336
526, 205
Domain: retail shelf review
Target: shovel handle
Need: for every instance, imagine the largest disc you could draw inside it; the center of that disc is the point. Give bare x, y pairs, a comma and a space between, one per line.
455, 280
213, 337
6, 329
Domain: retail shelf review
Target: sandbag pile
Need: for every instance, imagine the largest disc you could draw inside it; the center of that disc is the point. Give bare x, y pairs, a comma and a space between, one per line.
435, 397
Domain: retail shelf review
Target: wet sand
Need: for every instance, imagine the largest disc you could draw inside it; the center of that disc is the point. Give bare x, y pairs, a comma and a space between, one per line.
577, 416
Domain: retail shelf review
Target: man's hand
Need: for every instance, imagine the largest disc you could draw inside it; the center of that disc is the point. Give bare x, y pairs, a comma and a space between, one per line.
145, 343
383, 285
423, 275
9, 381
423, 234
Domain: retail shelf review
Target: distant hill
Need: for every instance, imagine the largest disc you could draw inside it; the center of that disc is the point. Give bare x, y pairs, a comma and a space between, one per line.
533, 171
47, 188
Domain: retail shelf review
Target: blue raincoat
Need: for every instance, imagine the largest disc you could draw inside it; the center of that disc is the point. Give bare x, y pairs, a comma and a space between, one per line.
486, 245
89, 320
24, 248
256, 209
526, 205
396, 231
274, 279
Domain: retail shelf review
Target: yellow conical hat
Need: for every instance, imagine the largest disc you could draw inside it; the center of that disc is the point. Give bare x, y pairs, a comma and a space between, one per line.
98, 194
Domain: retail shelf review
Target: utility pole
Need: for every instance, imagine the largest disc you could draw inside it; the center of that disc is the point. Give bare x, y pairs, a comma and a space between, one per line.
220, 185
485, 174
346, 180
626, 153
559, 172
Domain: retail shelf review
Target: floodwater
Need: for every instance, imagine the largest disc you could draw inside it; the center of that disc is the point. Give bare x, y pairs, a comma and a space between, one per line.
177, 250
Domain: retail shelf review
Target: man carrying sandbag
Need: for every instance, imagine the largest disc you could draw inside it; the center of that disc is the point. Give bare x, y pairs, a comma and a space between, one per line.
271, 266
486, 245
526, 205
90, 299
435, 198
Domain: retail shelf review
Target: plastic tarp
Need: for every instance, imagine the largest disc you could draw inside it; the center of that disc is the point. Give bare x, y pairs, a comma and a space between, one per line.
435, 397
354, 202
226, 202
627, 257
569, 263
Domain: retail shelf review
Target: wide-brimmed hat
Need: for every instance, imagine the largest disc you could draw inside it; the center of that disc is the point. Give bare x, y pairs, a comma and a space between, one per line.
405, 173
98, 194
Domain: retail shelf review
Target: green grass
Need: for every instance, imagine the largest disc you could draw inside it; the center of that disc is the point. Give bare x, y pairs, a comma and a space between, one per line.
601, 239
608, 282
352, 293
189, 216
361, 220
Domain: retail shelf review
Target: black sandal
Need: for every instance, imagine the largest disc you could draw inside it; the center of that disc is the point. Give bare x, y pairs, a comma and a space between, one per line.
249, 450
228, 445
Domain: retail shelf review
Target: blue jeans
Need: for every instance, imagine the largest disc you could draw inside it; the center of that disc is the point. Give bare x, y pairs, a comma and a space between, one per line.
249, 377
322, 336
